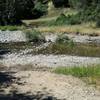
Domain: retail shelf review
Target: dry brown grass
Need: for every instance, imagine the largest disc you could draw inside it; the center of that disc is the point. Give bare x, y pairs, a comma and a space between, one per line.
82, 29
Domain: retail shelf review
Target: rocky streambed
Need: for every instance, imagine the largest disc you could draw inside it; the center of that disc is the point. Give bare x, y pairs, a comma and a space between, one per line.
20, 59
20, 36
12, 36
24, 75
26, 57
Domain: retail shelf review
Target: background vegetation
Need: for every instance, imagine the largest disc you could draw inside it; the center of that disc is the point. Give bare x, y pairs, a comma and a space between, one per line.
13, 11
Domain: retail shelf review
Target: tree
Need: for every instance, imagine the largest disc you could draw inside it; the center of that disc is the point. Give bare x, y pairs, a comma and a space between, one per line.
12, 11
24, 8
40, 8
7, 12
60, 3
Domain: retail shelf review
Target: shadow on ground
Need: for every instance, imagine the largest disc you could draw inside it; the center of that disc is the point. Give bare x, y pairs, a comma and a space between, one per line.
6, 79
17, 96
3, 52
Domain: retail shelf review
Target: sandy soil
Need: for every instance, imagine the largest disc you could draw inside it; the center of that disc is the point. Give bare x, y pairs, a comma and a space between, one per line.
59, 86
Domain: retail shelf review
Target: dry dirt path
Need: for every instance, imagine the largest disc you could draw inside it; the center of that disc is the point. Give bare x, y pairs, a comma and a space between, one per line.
60, 86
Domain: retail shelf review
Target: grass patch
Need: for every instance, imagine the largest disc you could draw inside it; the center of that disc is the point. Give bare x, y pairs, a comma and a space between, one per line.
82, 71
34, 36
89, 74
62, 19
11, 28
83, 29
66, 20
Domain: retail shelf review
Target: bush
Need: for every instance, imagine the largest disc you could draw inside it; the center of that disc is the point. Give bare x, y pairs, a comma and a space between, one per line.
39, 9
60, 3
64, 39
67, 20
35, 36
61, 19
98, 22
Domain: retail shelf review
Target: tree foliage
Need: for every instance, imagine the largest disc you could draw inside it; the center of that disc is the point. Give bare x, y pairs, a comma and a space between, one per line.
60, 3
12, 11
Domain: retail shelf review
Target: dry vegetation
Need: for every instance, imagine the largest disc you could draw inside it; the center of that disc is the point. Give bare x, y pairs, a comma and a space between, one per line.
83, 29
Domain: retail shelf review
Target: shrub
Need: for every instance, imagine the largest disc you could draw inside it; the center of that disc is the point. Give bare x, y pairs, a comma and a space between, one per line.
39, 9
61, 19
67, 20
98, 23
64, 39
35, 36
60, 3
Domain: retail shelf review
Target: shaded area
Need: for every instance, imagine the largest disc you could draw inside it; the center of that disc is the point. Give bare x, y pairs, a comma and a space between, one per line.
12, 46
61, 3
6, 78
4, 51
17, 96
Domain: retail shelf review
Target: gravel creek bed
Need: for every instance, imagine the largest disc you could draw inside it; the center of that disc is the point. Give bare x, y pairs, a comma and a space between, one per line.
20, 36
14, 59
49, 60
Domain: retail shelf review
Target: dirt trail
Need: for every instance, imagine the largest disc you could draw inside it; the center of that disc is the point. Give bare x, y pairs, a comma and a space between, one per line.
59, 86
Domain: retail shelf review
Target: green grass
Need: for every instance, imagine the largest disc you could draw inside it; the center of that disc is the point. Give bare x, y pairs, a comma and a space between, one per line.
12, 28
34, 36
81, 71
89, 74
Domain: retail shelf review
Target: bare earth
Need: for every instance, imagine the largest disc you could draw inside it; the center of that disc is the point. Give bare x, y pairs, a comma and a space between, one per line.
60, 86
